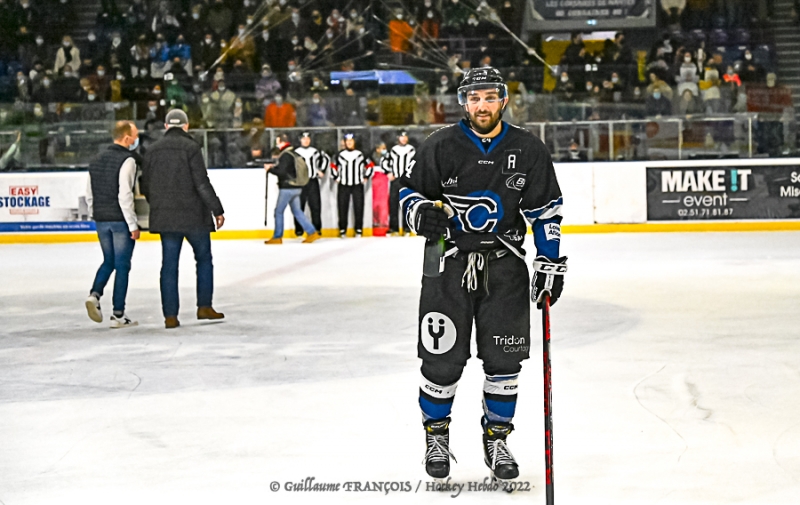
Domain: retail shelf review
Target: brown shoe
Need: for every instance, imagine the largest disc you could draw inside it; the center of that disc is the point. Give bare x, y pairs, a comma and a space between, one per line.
171, 322
314, 236
274, 241
208, 313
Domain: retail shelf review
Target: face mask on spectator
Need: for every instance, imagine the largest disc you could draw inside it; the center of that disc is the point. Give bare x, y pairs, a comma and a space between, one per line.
238, 104
282, 3
46, 83
278, 99
39, 41
400, 16
120, 77
241, 32
91, 97
153, 108
687, 59
615, 80
295, 42
353, 14
195, 15
748, 56
291, 67
101, 73
588, 87
205, 99
329, 35
564, 78
209, 41
143, 72
430, 14
657, 95
92, 37
265, 35
295, 17
66, 44
67, 74
315, 100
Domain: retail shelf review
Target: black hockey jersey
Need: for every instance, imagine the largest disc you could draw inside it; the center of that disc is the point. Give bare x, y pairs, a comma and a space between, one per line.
493, 185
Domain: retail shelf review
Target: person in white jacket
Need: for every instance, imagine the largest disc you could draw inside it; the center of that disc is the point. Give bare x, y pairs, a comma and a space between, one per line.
67, 54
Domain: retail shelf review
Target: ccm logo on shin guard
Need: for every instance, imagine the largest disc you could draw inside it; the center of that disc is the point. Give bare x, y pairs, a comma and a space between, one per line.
437, 332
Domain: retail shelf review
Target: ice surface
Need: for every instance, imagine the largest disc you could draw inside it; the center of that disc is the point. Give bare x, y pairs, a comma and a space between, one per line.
675, 369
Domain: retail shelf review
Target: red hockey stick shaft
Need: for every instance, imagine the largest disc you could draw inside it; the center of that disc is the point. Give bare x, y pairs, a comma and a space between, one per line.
548, 401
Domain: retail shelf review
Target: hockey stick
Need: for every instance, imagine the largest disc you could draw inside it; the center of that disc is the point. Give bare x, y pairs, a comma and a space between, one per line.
548, 401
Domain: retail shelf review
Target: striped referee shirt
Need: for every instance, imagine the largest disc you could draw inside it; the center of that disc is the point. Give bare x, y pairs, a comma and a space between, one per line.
314, 160
350, 168
400, 159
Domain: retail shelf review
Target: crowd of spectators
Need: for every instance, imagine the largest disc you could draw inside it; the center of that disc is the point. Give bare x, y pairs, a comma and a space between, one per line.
235, 63
228, 63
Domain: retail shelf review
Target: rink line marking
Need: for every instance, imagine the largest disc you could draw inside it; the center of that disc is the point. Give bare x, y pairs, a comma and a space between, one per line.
674, 227
297, 265
639, 401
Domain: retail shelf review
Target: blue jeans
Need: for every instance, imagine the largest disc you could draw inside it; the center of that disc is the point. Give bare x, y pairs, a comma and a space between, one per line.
171, 243
290, 197
117, 246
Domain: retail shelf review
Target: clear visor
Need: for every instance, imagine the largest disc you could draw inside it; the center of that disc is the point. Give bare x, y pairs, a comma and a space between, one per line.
488, 92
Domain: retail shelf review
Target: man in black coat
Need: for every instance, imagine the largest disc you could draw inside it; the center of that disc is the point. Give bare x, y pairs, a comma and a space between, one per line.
182, 202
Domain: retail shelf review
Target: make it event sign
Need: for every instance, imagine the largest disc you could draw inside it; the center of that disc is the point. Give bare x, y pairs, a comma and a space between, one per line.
741, 192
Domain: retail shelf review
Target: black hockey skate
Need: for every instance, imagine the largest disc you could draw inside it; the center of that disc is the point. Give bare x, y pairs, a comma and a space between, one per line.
495, 451
437, 453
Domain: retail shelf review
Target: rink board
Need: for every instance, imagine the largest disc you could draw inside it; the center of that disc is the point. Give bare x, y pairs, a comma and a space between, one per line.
599, 197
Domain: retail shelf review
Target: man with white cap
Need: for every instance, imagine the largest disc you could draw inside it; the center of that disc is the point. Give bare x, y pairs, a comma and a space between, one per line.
182, 202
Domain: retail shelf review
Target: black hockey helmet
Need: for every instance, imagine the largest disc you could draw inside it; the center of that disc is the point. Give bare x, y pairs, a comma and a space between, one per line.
481, 78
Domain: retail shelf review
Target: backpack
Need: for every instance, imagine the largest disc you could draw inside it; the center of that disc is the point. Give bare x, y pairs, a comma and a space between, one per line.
300, 169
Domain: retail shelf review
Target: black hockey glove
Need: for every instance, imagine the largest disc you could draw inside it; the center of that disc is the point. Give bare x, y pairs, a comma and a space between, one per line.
431, 222
548, 278
476, 242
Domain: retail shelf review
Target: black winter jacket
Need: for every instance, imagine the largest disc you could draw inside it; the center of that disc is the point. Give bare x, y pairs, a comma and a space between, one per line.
175, 183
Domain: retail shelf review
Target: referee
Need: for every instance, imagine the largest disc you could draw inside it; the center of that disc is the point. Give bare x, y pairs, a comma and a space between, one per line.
317, 162
351, 170
400, 159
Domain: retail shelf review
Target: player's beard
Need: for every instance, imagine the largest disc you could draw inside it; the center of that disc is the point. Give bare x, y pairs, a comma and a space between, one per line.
484, 122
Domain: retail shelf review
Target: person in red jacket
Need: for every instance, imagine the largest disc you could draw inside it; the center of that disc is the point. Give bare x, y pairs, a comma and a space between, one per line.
280, 114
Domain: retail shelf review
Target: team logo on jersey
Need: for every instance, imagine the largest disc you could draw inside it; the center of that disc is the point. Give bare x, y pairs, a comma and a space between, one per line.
477, 212
437, 332
512, 162
516, 182
513, 236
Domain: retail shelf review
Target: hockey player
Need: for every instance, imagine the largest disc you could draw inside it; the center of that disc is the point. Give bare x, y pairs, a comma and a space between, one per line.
352, 170
400, 158
317, 163
492, 179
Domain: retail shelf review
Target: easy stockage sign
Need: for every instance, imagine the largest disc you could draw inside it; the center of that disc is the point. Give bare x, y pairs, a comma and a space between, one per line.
746, 192
581, 12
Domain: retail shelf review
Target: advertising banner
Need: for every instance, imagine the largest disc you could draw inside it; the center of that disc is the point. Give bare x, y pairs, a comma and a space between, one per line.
577, 14
44, 202
733, 193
